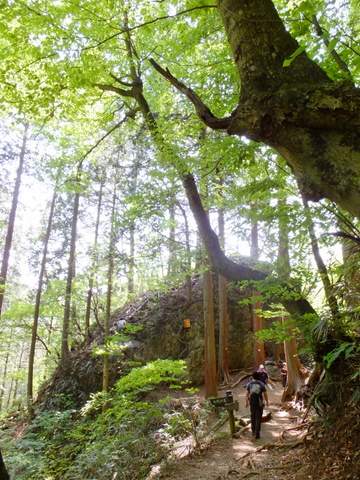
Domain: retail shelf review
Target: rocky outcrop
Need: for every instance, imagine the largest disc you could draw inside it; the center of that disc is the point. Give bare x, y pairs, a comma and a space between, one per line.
162, 335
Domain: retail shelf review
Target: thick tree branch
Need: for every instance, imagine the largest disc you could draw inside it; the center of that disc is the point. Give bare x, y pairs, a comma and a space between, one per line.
118, 80
203, 112
220, 263
111, 88
227, 268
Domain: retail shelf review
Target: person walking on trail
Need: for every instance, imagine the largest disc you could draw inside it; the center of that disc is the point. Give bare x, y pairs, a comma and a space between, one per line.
264, 377
255, 395
284, 374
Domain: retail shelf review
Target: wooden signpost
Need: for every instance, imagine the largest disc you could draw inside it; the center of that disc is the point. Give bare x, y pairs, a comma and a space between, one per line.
229, 404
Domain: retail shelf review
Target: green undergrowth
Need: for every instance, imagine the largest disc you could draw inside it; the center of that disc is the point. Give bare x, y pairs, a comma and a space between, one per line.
135, 430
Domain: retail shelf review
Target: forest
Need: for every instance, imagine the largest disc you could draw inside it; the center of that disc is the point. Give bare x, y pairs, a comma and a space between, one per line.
180, 203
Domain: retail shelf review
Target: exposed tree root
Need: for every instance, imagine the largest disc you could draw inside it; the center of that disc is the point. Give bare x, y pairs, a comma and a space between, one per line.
274, 445
250, 474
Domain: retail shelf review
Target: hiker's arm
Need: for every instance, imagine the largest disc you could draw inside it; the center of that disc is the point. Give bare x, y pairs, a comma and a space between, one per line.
266, 398
247, 399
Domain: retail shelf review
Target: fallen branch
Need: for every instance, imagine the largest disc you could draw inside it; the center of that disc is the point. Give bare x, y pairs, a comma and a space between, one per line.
241, 431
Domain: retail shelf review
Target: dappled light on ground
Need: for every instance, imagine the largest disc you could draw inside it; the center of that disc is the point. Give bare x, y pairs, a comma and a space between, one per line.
285, 450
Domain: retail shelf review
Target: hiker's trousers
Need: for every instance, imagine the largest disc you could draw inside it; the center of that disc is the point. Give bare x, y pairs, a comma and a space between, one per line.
256, 416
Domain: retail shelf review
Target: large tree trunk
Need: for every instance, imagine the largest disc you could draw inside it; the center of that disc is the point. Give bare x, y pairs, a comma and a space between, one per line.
310, 120
296, 109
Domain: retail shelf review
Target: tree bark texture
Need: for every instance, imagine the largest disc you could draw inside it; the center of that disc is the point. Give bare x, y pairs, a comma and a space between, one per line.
311, 121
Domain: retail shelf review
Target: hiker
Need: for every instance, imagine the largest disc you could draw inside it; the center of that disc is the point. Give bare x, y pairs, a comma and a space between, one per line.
264, 377
255, 395
120, 324
284, 374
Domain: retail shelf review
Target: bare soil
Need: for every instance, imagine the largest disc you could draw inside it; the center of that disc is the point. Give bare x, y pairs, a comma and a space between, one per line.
287, 450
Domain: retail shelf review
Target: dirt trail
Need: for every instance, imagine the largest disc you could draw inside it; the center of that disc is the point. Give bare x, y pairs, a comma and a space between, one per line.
246, 457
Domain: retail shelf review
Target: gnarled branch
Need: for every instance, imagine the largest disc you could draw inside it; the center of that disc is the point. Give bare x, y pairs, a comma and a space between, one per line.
203, 112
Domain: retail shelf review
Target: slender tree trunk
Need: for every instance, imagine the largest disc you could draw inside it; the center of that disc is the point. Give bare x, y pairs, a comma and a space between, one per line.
94, 259
70, 276
16, 383
109, 295
328, 288
171, 270
188, 255
131, 273
211, 388
259, 351
9, 394
294, 382
223, 359
132, 229
12, 216
30, 382
6, 366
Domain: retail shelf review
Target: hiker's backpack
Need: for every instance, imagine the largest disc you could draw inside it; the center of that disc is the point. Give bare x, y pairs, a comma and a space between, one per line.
256, 398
